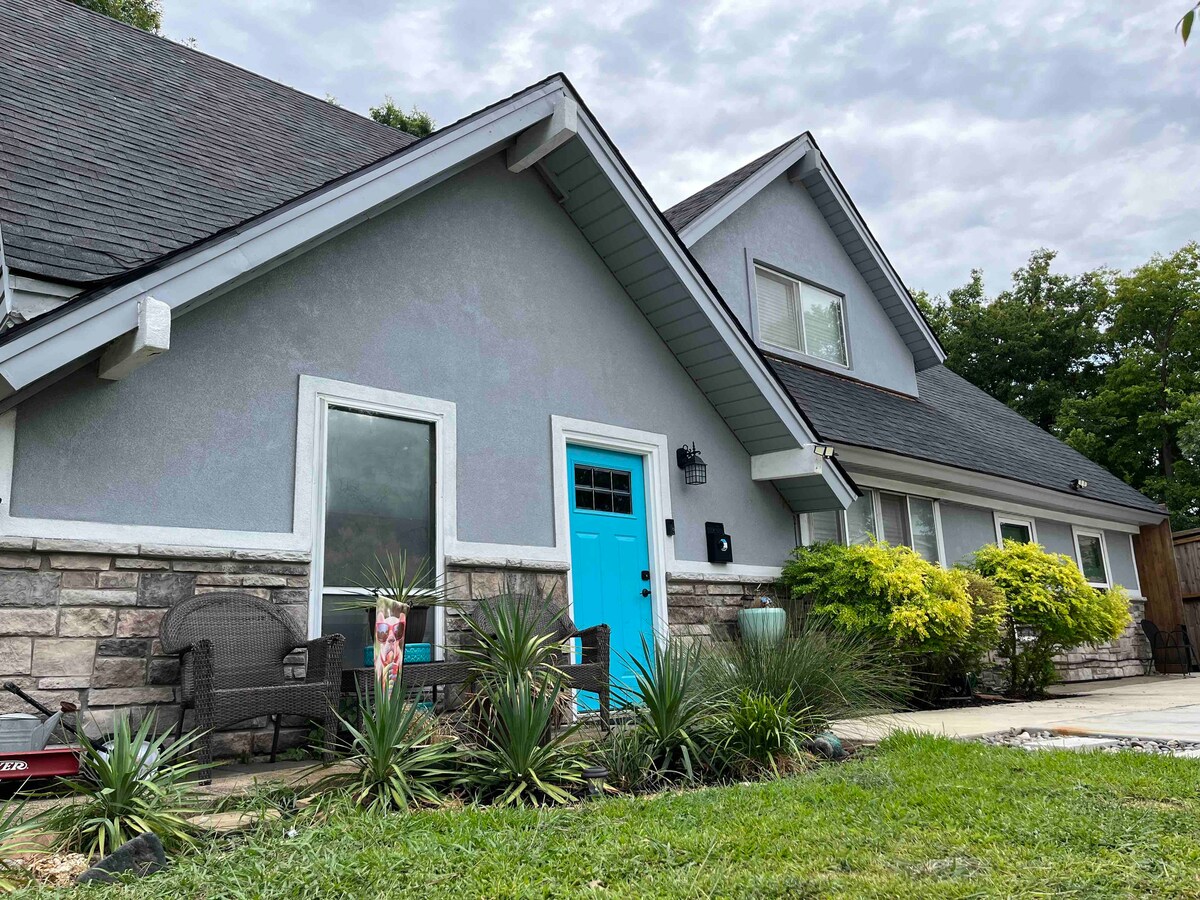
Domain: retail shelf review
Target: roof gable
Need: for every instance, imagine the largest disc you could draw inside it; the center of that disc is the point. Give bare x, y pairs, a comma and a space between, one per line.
599, 191
121, 146
805, 165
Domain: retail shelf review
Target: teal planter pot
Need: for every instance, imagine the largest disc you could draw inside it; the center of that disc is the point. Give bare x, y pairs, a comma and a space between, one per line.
767, 623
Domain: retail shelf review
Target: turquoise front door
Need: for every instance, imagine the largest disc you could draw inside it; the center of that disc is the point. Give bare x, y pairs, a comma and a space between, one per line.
610, 554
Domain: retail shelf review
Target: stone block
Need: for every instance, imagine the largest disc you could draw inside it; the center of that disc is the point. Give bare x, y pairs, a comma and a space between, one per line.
233, 743
98, 548
16, 654
97, 597
118, 672
164, 670
123, 580
289, 595
10, 703
79, 561
141, 564
298, 613
283, 556
289, 738
86, 621
218, 579
297, 581
177, 551
16, 543
118, 646
20, 561
165, 588
29, 621
680, 588
728, 589
257, 580
63, 656
261, 593
139, 622
129, 696
64, 682
28, 588
77, 580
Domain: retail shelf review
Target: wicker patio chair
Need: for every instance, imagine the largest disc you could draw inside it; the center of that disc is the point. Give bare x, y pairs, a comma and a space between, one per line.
233, 648
1167, 644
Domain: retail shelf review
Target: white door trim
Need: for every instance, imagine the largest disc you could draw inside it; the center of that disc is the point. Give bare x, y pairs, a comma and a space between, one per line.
652, 448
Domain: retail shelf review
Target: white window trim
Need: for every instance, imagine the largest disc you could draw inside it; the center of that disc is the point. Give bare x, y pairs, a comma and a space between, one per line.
1137, 578
1076, 534
1003, 519
317, 395
802, 353
652, 448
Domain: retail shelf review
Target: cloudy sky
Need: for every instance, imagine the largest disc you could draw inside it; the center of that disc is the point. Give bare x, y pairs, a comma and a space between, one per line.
968, 133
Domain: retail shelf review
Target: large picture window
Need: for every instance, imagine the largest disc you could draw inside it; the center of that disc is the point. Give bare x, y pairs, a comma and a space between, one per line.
799, 316
379, 499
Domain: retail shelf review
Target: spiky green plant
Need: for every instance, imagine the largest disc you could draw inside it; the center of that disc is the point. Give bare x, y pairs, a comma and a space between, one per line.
15, 838
394, 757
669, 703
628, 754
522, 758
512, 639
756, 733
138, 782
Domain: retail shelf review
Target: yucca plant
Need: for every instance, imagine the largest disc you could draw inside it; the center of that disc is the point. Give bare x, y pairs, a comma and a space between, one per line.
395, 755
628, 755
14, 838
757, 732
510, 638
522, 758
670, 704
136, 783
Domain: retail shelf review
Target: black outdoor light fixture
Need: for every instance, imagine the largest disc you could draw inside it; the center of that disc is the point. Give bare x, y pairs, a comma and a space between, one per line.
595, 777
695, 470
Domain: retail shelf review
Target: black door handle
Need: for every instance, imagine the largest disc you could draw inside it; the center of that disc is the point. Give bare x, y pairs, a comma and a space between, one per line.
645, 592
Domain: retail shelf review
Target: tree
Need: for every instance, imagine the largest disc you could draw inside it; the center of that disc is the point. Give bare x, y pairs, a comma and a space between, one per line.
143, 14
1032, 346
1143, 420
416, 122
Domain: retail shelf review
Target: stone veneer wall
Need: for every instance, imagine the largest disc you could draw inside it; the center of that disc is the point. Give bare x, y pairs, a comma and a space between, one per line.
1120, 659
706, 606
79, 621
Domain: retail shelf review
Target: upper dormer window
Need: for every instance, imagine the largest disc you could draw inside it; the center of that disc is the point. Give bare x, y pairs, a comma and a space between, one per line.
801, 317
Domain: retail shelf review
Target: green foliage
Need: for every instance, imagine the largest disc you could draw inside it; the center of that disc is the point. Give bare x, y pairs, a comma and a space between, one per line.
822, 674
143, 14
394, 758
671, 705
511, 640
756, 732
1049, 608
628, 754
15, 838
523, 758
138, 783
416, 122
1184, 25
887, 593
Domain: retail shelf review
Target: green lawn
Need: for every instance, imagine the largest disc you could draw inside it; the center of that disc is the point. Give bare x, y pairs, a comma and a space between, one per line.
919, 817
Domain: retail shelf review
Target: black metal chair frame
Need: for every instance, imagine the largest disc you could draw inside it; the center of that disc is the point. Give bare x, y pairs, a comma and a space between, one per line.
233, 648
1165, 643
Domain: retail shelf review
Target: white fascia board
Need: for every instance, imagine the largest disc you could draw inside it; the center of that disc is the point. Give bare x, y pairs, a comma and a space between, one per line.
731, 202
649, 218
890, 471
198, 276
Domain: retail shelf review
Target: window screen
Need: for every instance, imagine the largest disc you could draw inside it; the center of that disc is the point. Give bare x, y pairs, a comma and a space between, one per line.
894, 514
1091, 558
923, 527
823, 334
860, 520
777, 320
824, 526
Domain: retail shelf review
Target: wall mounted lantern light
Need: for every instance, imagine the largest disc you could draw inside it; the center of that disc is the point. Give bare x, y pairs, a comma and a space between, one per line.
695, 471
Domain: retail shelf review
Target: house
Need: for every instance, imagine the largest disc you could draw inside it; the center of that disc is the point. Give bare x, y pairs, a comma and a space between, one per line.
253, 339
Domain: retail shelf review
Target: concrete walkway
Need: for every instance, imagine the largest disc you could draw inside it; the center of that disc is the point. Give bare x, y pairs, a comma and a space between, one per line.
1154, 706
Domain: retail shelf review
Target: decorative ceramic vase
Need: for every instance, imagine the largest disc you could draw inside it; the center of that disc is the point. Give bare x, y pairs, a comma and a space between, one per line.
764, 623
391, 617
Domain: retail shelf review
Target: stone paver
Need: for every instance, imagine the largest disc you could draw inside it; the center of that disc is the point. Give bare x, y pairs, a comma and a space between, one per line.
1155, 706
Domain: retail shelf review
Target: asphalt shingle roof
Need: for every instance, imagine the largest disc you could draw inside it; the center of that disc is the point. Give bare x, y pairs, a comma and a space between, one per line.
691, 208
953, 423
119, 146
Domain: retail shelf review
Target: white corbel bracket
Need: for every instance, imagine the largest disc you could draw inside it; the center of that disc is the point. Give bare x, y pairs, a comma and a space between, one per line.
539, 141
134, 349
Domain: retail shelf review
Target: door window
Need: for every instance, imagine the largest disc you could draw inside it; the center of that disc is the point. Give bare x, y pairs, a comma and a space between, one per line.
603, 490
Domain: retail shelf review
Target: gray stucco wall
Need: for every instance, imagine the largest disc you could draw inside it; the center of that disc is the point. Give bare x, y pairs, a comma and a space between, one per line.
480, 291
967, 528
782, 226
